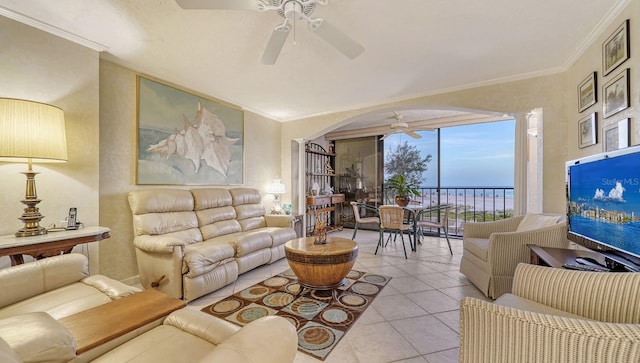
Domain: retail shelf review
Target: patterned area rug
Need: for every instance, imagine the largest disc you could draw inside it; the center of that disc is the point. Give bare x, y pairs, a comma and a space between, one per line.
321, 318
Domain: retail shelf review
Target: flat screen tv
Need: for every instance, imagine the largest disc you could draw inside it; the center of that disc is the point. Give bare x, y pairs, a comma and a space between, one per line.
603, 209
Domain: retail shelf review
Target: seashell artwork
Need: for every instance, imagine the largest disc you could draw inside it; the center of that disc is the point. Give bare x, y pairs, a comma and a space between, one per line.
205, 141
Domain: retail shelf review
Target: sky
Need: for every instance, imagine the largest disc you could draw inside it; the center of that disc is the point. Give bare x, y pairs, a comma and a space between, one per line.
473, 155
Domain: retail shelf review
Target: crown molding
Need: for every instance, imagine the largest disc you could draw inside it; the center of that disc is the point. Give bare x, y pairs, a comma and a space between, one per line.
52, 29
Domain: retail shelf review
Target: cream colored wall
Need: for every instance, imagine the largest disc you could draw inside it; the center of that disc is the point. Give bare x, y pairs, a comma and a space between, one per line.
118, 155
592, 61
515, 98
38, 66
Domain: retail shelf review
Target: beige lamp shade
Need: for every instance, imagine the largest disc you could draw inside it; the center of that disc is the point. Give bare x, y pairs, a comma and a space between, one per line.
31, 130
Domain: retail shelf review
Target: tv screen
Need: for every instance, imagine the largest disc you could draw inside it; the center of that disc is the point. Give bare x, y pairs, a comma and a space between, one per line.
604, 200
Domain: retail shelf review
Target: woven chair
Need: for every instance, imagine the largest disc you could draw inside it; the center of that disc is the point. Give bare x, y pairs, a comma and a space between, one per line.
555, 315
425, 220
392, 220
359, 220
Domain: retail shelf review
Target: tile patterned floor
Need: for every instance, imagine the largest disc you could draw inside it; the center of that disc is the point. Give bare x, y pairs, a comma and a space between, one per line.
415, 319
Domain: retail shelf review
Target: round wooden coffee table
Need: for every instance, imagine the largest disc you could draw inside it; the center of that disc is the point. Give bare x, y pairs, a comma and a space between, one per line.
321, 266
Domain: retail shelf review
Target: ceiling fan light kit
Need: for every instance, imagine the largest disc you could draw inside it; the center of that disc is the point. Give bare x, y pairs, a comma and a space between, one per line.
291, 11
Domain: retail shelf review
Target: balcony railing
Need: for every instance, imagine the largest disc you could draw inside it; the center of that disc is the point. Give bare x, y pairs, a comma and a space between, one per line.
468, 204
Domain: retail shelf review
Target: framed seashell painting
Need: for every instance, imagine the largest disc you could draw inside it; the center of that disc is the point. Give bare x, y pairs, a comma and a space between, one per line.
185, 138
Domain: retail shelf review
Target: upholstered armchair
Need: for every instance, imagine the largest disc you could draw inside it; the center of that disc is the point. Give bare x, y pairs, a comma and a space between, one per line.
555, 315
492, 250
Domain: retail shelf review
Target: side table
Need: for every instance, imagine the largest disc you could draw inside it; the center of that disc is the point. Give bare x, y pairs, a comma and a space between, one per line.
50, 244
557, 257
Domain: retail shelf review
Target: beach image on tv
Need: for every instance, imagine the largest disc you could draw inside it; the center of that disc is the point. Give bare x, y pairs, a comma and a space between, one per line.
604, 201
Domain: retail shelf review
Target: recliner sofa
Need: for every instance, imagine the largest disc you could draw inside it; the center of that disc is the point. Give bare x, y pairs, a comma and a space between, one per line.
59, 286
192, 242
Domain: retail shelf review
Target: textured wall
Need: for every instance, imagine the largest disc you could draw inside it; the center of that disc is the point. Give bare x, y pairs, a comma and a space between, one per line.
118, 159
38, 66
592, 61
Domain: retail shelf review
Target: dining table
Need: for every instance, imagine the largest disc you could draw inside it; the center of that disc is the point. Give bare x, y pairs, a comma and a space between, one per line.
414, 211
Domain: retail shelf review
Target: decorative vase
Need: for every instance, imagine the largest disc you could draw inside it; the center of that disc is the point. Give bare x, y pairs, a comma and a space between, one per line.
402, 201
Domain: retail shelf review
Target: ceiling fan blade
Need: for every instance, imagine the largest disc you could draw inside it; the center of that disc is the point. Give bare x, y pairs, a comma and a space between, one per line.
339, 40
275, 44
412, 134
219, 4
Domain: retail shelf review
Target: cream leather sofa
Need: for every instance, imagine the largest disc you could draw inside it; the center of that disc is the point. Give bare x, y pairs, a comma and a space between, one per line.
186, 335
555, 315
492, 250
59, 286
192, 242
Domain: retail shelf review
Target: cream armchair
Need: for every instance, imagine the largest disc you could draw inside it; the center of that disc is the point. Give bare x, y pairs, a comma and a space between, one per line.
555, 315
492, 250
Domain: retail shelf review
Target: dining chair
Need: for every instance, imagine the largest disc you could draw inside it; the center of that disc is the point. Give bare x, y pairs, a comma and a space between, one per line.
392, 220
366, 220
427, 219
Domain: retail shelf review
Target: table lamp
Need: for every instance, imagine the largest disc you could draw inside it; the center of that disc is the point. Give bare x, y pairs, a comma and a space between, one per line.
31, 132
276, 188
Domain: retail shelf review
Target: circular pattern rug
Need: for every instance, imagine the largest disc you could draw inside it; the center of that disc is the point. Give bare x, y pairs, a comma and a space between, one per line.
321, 317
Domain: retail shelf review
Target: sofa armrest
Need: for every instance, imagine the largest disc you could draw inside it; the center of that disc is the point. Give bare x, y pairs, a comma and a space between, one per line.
158, 243
278, 220
37, 337
507, 249
493, 333
603, 296
114, 289
204, 326
270, 339
485, 229
7, 354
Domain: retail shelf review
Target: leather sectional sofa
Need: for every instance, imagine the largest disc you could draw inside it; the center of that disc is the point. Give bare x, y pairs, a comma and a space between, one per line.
192, 242
36, 294
59, 286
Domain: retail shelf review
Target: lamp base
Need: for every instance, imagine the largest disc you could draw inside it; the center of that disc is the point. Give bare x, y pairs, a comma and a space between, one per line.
23, 232
31, 216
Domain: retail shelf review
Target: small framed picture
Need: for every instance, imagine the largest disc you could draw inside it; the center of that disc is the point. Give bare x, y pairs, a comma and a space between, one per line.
616, 135
616, 94
587, 92
615, 50
587, 132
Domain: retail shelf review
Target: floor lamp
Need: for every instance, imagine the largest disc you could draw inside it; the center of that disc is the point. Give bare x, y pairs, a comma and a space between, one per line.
31, 132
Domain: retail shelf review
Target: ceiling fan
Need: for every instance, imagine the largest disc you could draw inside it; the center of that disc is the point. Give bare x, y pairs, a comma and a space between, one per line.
400, 127
291, 11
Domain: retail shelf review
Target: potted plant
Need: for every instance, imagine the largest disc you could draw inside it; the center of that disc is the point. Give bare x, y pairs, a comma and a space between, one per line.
403, 188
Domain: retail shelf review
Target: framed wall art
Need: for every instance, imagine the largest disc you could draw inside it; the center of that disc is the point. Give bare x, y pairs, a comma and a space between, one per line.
616, 94
615, 50
616, 135
185, 138
587, 132
587, 96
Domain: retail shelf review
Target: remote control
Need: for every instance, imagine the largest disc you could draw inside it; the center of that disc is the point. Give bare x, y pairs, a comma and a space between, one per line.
576, 266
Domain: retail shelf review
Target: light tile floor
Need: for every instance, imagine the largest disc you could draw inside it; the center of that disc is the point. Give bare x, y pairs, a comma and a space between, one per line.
415, 319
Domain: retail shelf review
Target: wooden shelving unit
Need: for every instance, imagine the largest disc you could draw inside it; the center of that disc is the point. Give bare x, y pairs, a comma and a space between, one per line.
321, 202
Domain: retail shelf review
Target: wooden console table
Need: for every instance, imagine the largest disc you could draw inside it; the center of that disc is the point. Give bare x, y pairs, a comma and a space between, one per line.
557, 257
50, 244
98, 325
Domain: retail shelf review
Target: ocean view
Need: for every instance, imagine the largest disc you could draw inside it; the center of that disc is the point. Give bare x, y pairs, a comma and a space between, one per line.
477, 199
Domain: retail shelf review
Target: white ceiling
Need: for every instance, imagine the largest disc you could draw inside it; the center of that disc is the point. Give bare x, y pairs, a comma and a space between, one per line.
412, 47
